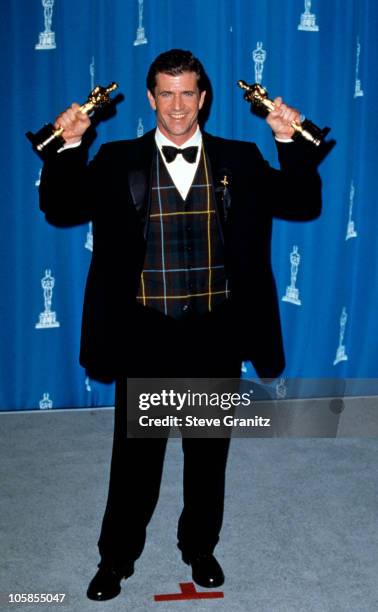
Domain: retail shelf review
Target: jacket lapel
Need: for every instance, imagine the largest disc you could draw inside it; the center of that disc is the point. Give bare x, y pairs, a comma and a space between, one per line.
221, 177
139, 176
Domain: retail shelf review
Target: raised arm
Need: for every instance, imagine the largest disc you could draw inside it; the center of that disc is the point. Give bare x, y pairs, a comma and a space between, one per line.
297, 189
67, 182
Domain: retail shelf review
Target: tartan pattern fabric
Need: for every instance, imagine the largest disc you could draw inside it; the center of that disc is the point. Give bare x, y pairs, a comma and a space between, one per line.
183, 271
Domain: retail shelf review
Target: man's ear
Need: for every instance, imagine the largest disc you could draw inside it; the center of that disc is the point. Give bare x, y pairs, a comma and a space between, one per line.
202, 99
151, 100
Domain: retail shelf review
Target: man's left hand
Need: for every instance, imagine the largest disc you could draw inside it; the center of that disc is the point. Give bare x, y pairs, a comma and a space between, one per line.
280, 119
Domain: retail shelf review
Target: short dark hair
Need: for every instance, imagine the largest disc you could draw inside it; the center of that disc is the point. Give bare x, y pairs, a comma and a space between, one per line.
175, 62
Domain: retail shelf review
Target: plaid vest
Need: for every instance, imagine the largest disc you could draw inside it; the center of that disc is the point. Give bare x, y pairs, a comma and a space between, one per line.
183, 272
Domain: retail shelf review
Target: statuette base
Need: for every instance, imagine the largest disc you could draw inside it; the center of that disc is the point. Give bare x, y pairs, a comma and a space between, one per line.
340, 355
308, 23
140, 37
292, 296
46, 41
47, 320
45, 135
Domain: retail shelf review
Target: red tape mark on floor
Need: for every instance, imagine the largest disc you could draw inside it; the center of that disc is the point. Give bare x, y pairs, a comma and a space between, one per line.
188, 591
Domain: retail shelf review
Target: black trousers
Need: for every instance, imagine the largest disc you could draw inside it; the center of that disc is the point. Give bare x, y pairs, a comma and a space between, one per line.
196, 347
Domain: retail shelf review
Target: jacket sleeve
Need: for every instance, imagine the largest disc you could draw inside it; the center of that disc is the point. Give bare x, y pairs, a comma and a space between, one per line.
67, 192
293, 192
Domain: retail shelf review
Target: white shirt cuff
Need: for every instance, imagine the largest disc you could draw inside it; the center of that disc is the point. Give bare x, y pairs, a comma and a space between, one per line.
284, 139
69, 146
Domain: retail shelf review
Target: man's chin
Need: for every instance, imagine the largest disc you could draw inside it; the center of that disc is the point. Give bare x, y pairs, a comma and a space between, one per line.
179, 132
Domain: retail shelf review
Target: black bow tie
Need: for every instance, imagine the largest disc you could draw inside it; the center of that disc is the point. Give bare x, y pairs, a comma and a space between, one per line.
170, 153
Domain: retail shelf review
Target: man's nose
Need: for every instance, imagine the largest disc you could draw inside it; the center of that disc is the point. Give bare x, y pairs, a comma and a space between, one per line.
177, 102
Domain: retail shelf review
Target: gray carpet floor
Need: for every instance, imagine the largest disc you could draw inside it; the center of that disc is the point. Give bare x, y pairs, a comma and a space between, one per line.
300, 531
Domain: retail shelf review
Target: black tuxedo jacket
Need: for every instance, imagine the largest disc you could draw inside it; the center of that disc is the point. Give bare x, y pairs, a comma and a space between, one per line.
113, 191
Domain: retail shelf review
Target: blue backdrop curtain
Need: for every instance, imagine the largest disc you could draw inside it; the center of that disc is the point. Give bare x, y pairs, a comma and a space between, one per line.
320, 56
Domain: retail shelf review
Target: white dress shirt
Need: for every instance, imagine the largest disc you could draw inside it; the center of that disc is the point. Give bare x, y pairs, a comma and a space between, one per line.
181, 171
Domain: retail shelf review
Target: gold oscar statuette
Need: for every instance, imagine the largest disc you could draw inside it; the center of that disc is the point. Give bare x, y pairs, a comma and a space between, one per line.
49, 135
258, 97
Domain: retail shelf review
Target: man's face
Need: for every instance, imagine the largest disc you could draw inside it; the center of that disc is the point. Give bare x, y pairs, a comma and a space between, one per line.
177, 102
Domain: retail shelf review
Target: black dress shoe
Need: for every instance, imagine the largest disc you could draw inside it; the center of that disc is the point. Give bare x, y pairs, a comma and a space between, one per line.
106, 584
206, 570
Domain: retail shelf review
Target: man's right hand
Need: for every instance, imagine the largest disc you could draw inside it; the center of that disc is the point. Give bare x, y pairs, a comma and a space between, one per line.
74, 124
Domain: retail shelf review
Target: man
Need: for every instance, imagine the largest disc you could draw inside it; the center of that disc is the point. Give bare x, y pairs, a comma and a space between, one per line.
184, 236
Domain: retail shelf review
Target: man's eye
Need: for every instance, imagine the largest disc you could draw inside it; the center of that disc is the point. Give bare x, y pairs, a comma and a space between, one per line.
165, 94
189, 94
